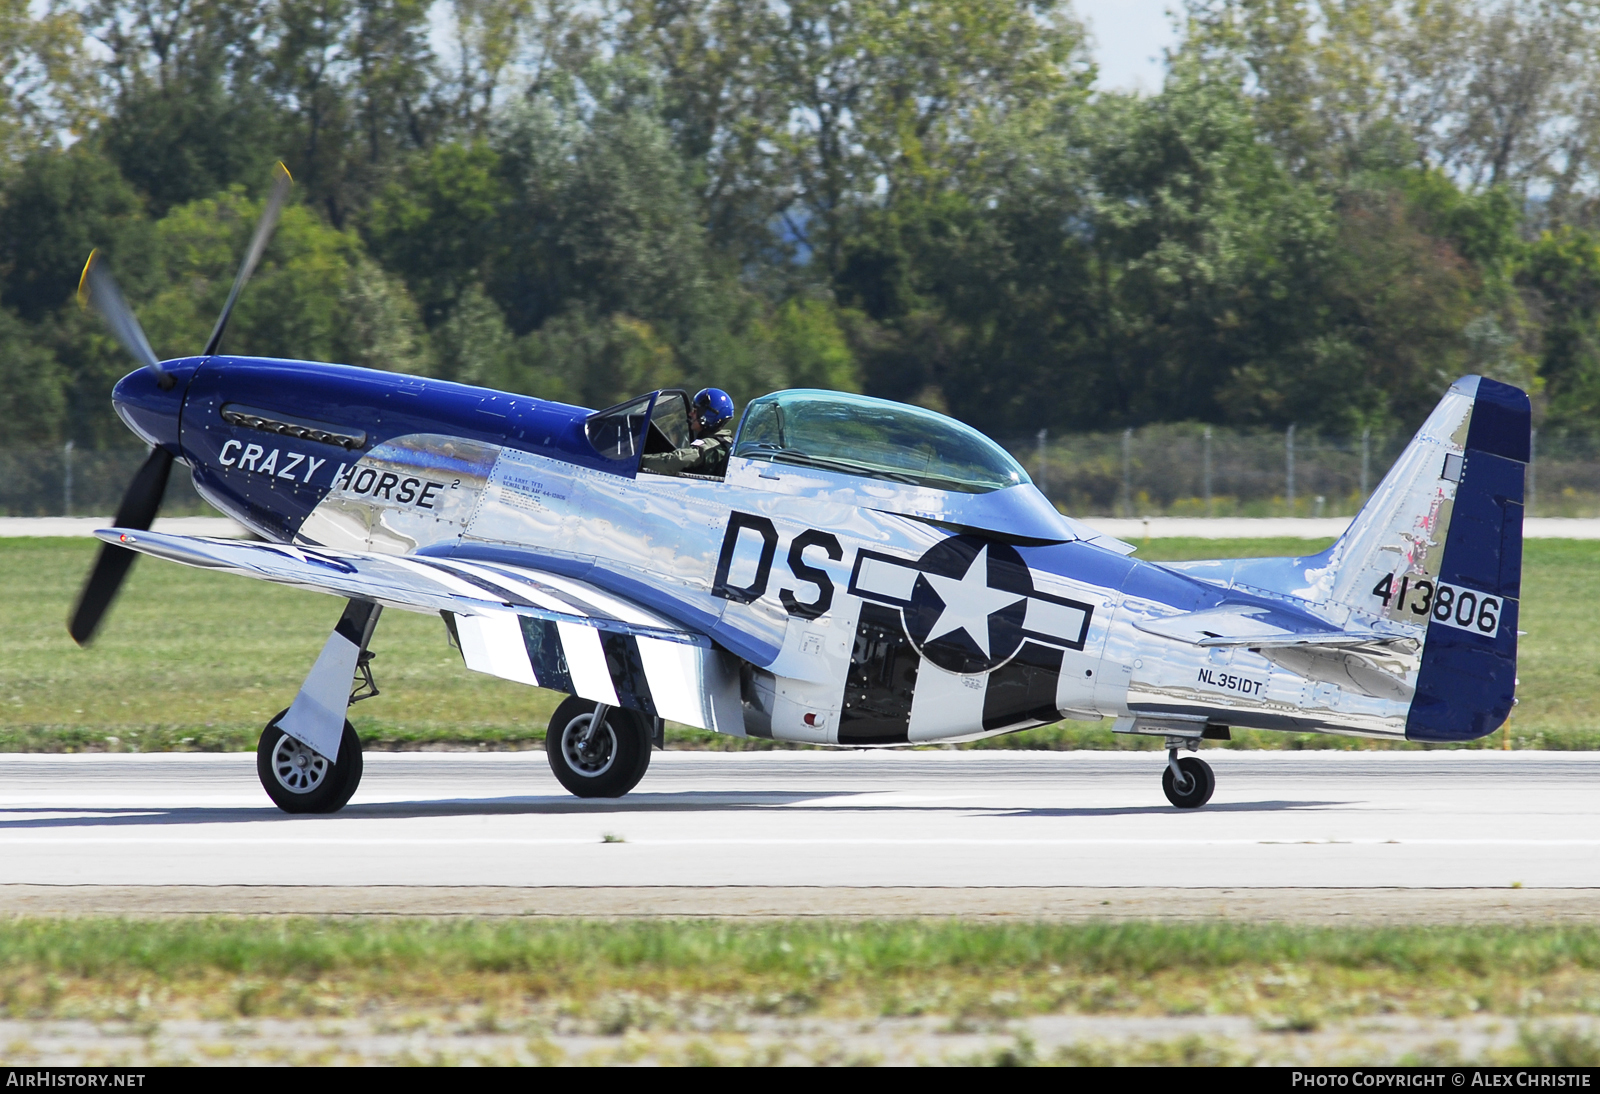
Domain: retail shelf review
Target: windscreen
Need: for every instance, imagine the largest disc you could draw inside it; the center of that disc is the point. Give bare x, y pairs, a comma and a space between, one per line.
616, 432
877, 439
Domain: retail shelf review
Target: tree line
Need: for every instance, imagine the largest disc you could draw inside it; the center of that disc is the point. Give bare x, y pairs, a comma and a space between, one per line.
1330, 210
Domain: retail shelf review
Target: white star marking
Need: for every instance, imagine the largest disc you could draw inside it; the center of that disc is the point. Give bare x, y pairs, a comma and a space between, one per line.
970, 602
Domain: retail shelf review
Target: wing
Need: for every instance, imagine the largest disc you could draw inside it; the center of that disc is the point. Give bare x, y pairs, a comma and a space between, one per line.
1260, 627
514, 622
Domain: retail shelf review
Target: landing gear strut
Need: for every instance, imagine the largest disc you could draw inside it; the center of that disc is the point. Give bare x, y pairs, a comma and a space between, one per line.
1188, 781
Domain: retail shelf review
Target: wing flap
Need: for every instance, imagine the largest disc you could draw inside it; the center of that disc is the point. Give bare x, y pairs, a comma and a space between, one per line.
516, 623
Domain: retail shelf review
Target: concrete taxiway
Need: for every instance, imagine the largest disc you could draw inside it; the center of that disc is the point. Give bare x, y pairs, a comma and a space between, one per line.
1314, 836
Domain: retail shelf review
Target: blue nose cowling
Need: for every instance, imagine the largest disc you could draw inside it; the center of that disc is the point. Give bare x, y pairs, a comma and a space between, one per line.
148, 410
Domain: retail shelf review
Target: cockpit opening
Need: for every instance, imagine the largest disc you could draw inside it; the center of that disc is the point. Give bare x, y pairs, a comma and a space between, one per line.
656, 424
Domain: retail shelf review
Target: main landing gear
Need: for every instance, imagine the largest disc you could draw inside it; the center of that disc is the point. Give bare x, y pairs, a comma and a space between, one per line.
309, 757
598, 751
1188, 781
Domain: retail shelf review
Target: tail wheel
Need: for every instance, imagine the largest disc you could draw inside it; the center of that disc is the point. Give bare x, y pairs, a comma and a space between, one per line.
597, 761
300, 780
1197, 785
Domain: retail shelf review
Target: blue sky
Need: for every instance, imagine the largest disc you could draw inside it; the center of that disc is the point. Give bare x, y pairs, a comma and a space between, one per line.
1129, 36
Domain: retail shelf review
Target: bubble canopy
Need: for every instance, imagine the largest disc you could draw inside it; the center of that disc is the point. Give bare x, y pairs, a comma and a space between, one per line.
875, 438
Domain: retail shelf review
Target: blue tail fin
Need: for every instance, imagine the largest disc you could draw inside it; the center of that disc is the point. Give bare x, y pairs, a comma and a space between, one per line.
1466, 684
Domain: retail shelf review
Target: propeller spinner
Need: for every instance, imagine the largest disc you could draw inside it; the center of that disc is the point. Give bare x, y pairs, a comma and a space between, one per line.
98, 289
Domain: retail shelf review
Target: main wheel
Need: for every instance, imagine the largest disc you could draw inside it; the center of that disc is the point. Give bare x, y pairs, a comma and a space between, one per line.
300, 780
1197, 791
604, 761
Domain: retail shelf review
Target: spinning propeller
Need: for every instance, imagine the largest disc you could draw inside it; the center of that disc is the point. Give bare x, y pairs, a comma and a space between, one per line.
98, 289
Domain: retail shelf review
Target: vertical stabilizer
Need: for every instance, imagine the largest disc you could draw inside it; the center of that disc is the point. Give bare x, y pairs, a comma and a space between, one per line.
1439, 548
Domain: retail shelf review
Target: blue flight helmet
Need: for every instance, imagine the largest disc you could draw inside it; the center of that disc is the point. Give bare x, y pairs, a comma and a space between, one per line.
714, 407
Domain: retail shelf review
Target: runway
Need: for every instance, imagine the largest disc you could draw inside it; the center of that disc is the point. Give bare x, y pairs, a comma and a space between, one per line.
1316, 836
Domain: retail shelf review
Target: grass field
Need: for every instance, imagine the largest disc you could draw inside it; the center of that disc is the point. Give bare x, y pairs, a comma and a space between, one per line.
611, 980
221, 966
191, 659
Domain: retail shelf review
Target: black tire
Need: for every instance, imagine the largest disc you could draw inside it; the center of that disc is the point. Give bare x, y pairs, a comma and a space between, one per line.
1202, 782
312, 786
606, 765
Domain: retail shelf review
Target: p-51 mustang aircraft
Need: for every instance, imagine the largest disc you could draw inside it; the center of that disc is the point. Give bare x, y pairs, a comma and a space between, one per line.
865, 573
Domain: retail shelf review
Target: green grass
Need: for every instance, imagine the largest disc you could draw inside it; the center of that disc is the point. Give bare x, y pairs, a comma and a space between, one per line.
191, 659
194, 659
104, 968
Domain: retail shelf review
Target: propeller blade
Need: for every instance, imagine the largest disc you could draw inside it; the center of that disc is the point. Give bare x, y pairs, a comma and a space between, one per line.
97, 289
138, 510
281, 181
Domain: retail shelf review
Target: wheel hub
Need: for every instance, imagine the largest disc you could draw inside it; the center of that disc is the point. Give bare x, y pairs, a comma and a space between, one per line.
589, 750
297, 768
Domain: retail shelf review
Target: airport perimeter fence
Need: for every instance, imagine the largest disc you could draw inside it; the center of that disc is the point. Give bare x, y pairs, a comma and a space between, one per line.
1159, 470
72, 481
1198, 471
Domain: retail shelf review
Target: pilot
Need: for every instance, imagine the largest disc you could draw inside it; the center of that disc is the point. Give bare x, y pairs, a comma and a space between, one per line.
711, 427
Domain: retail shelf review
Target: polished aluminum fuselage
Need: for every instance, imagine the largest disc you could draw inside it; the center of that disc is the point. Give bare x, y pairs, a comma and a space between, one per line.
679, 545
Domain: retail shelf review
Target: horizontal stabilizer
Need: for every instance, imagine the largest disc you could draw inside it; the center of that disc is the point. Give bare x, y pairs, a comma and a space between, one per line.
1257, 627
515, 622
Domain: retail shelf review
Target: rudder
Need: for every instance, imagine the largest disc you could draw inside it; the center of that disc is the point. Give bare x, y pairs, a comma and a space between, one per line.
1467, 681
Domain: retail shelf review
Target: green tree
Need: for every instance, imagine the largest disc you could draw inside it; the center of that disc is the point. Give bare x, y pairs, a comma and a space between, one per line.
1397, 301
474, 346
191, 114
804, 116
439, 223
355, 80
1563, 269
1323, 218
315, 296
1499, 94
46, 78
33, 387
811, 348
58, 208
